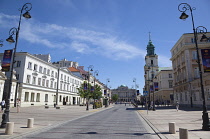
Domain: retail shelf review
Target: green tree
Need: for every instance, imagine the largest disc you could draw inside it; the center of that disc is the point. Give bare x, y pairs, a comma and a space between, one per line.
87, 92
115, 97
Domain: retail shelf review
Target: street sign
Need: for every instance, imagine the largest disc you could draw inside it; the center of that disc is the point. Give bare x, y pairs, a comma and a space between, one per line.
145, 93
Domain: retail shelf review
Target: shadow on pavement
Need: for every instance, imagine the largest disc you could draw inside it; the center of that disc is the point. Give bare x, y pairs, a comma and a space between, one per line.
136, 134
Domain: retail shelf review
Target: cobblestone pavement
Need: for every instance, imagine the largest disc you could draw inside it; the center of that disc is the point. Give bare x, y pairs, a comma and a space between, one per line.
119, 122
44, 118
188, 118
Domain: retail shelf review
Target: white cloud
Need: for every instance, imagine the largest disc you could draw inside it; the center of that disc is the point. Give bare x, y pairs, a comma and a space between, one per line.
80, 40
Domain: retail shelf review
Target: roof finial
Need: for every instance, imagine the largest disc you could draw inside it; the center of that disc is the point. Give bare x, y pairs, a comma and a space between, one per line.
149, 36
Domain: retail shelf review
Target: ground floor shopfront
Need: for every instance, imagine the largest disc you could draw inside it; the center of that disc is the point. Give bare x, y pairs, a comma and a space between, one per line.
34, 96
190, 94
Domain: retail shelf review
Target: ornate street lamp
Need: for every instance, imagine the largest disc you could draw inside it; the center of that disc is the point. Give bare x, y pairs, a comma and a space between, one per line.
134, 80
183, 7
13, 31
107, 81
95, 74
90, 69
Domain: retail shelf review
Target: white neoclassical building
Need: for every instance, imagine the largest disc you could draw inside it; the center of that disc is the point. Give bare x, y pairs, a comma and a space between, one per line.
39, 82
124, 94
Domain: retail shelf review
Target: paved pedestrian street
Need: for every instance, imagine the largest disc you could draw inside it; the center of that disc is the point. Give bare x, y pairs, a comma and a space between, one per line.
115, 121
119, 122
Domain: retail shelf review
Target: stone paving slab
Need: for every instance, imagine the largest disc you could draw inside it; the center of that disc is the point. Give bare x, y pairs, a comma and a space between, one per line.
43, 118
188, 118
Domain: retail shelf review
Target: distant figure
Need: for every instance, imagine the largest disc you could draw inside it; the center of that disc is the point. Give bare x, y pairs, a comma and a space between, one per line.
2, 105
142, 104
177, 105
18, 105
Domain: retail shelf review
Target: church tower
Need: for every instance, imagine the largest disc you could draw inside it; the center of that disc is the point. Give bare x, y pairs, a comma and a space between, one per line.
151, 65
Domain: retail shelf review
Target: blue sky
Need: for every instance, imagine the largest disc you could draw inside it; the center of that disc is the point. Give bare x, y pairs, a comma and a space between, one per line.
111, 35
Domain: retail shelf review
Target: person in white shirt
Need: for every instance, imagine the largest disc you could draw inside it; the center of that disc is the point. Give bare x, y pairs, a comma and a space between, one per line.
2, 105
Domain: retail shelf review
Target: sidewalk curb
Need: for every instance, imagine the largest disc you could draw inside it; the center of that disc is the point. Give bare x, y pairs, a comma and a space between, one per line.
43, 129
161, 136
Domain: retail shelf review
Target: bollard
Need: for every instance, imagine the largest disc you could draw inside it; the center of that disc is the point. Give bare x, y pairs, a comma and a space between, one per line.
172, 128
9, 128
30, 122
183, 133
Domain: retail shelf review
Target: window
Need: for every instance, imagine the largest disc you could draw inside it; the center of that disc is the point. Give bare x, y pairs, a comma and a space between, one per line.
170, 75
46, 97
43, 82
52, 74
38, 97
54, 100
61, 85
29, 65
170, 84
194, 55
192, 40
44, 71
35, 67
51, 84
32, 97
40, 69
34, 81
47, 83
196, 73
61, 76
56, 74
28, 79
48, 72
26, 96
151, 62
60, 98
39, 81
55, 85
18, 63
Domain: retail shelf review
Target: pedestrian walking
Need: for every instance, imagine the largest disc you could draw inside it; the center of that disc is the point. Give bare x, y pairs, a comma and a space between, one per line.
177, 105
18, 105
2, 105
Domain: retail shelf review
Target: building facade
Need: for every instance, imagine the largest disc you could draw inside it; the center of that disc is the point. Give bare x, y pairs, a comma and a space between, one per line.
164, 78
124, 94
187, 89
39, 82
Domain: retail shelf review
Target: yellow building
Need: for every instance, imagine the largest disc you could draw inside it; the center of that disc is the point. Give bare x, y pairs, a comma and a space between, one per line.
187, 89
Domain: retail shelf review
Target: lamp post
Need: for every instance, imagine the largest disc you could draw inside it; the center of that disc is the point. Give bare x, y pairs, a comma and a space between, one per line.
1, 43
148, 83
107, 81
90, 68
153, 93
153, 98
200, 29
134, 80
95, 74
13, 31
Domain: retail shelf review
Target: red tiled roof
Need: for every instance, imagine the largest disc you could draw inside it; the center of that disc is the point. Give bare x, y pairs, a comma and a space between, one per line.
73, 69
